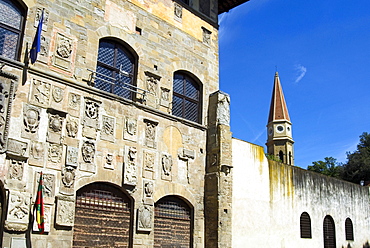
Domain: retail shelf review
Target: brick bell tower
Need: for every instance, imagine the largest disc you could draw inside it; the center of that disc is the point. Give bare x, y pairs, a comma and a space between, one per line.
279, 128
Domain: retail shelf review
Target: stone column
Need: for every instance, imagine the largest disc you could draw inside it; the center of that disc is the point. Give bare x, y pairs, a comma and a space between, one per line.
218, 178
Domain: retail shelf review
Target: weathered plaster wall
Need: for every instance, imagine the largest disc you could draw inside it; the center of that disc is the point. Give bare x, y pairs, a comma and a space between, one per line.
269, 197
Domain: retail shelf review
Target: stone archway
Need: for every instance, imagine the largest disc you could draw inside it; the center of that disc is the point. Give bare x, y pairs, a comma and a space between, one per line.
172, 223
102, 217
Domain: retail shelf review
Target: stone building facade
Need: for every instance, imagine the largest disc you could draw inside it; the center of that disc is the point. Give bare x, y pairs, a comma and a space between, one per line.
114, 113
122, 114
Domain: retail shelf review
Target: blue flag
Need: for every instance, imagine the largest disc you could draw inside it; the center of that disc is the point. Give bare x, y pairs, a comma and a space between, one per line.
36, 45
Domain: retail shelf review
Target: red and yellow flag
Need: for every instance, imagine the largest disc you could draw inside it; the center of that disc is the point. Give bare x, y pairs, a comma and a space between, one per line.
39, 204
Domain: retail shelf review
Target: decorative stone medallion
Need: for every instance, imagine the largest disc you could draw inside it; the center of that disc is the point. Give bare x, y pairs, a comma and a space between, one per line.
65, 213
129, 173
145, 218
16, 168
31, 121
88, 151
18, 211
107, 130
40, 92
166, 163
150, 133
17, 148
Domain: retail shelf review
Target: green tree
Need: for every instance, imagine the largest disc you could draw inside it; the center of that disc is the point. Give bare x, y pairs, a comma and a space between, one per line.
329, 167
357, 168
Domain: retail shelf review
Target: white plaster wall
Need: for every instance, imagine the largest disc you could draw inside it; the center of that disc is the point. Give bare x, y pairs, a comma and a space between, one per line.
269, 199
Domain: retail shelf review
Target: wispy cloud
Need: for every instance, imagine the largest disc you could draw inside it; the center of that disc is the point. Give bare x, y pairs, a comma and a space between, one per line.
301, 71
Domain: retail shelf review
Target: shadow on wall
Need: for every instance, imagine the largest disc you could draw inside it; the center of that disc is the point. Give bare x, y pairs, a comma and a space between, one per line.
366, 245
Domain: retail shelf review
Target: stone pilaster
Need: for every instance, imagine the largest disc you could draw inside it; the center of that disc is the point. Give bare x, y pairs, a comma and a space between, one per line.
218, 178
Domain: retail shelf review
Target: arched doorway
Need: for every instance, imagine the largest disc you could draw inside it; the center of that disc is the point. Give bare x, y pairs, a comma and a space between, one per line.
172, 223
102, 217
329, 232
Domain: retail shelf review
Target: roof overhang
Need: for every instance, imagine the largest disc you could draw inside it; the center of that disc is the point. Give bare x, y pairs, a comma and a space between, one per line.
226, 5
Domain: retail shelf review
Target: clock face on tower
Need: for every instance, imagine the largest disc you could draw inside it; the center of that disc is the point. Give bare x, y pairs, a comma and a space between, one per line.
279, 128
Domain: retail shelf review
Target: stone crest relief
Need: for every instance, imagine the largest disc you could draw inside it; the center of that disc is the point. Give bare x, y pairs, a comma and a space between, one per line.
40, 93
150, 133
130, 129
152, 82
55, 152
91, 118
145, 218
16, 168
88, 155
109, 161
148, 191
177, 11
149, 159
18, 211
107, 129
49, 186
166, 163
68, 176
129, 172
72, 127
55, 126
72, 156
31, 121
7, 89
65, 214
165, 97
63, 52
206, 36
17, 148
57, 94
37, 153
74, 101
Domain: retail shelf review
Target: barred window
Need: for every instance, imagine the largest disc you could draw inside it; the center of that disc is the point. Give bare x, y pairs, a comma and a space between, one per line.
172, 223
305, 223
329, 232
349, 229
11, 28
115, 69
186, 101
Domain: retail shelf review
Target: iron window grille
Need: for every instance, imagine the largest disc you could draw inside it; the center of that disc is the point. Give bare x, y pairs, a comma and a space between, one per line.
115, 71
329, 232
349, 229
186, 97
305, 223
11, 28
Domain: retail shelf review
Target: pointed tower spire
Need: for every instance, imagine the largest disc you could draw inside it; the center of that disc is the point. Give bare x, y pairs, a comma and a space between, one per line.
278, 108
279, 128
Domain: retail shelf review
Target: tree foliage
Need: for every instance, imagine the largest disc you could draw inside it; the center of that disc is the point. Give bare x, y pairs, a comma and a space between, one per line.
357, 168
329, 167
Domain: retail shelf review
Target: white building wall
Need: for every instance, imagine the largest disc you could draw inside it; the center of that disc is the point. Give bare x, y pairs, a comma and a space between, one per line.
268, 199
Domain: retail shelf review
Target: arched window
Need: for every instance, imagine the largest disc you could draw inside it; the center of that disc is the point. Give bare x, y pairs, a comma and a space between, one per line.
11, 28
172, 223
102, 217
305, 223
329, 232
290, 158
115, 69
281, 156
349, 229
186, 100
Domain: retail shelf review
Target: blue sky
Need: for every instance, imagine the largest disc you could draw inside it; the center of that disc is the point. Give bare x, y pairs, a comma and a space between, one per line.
322, 52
